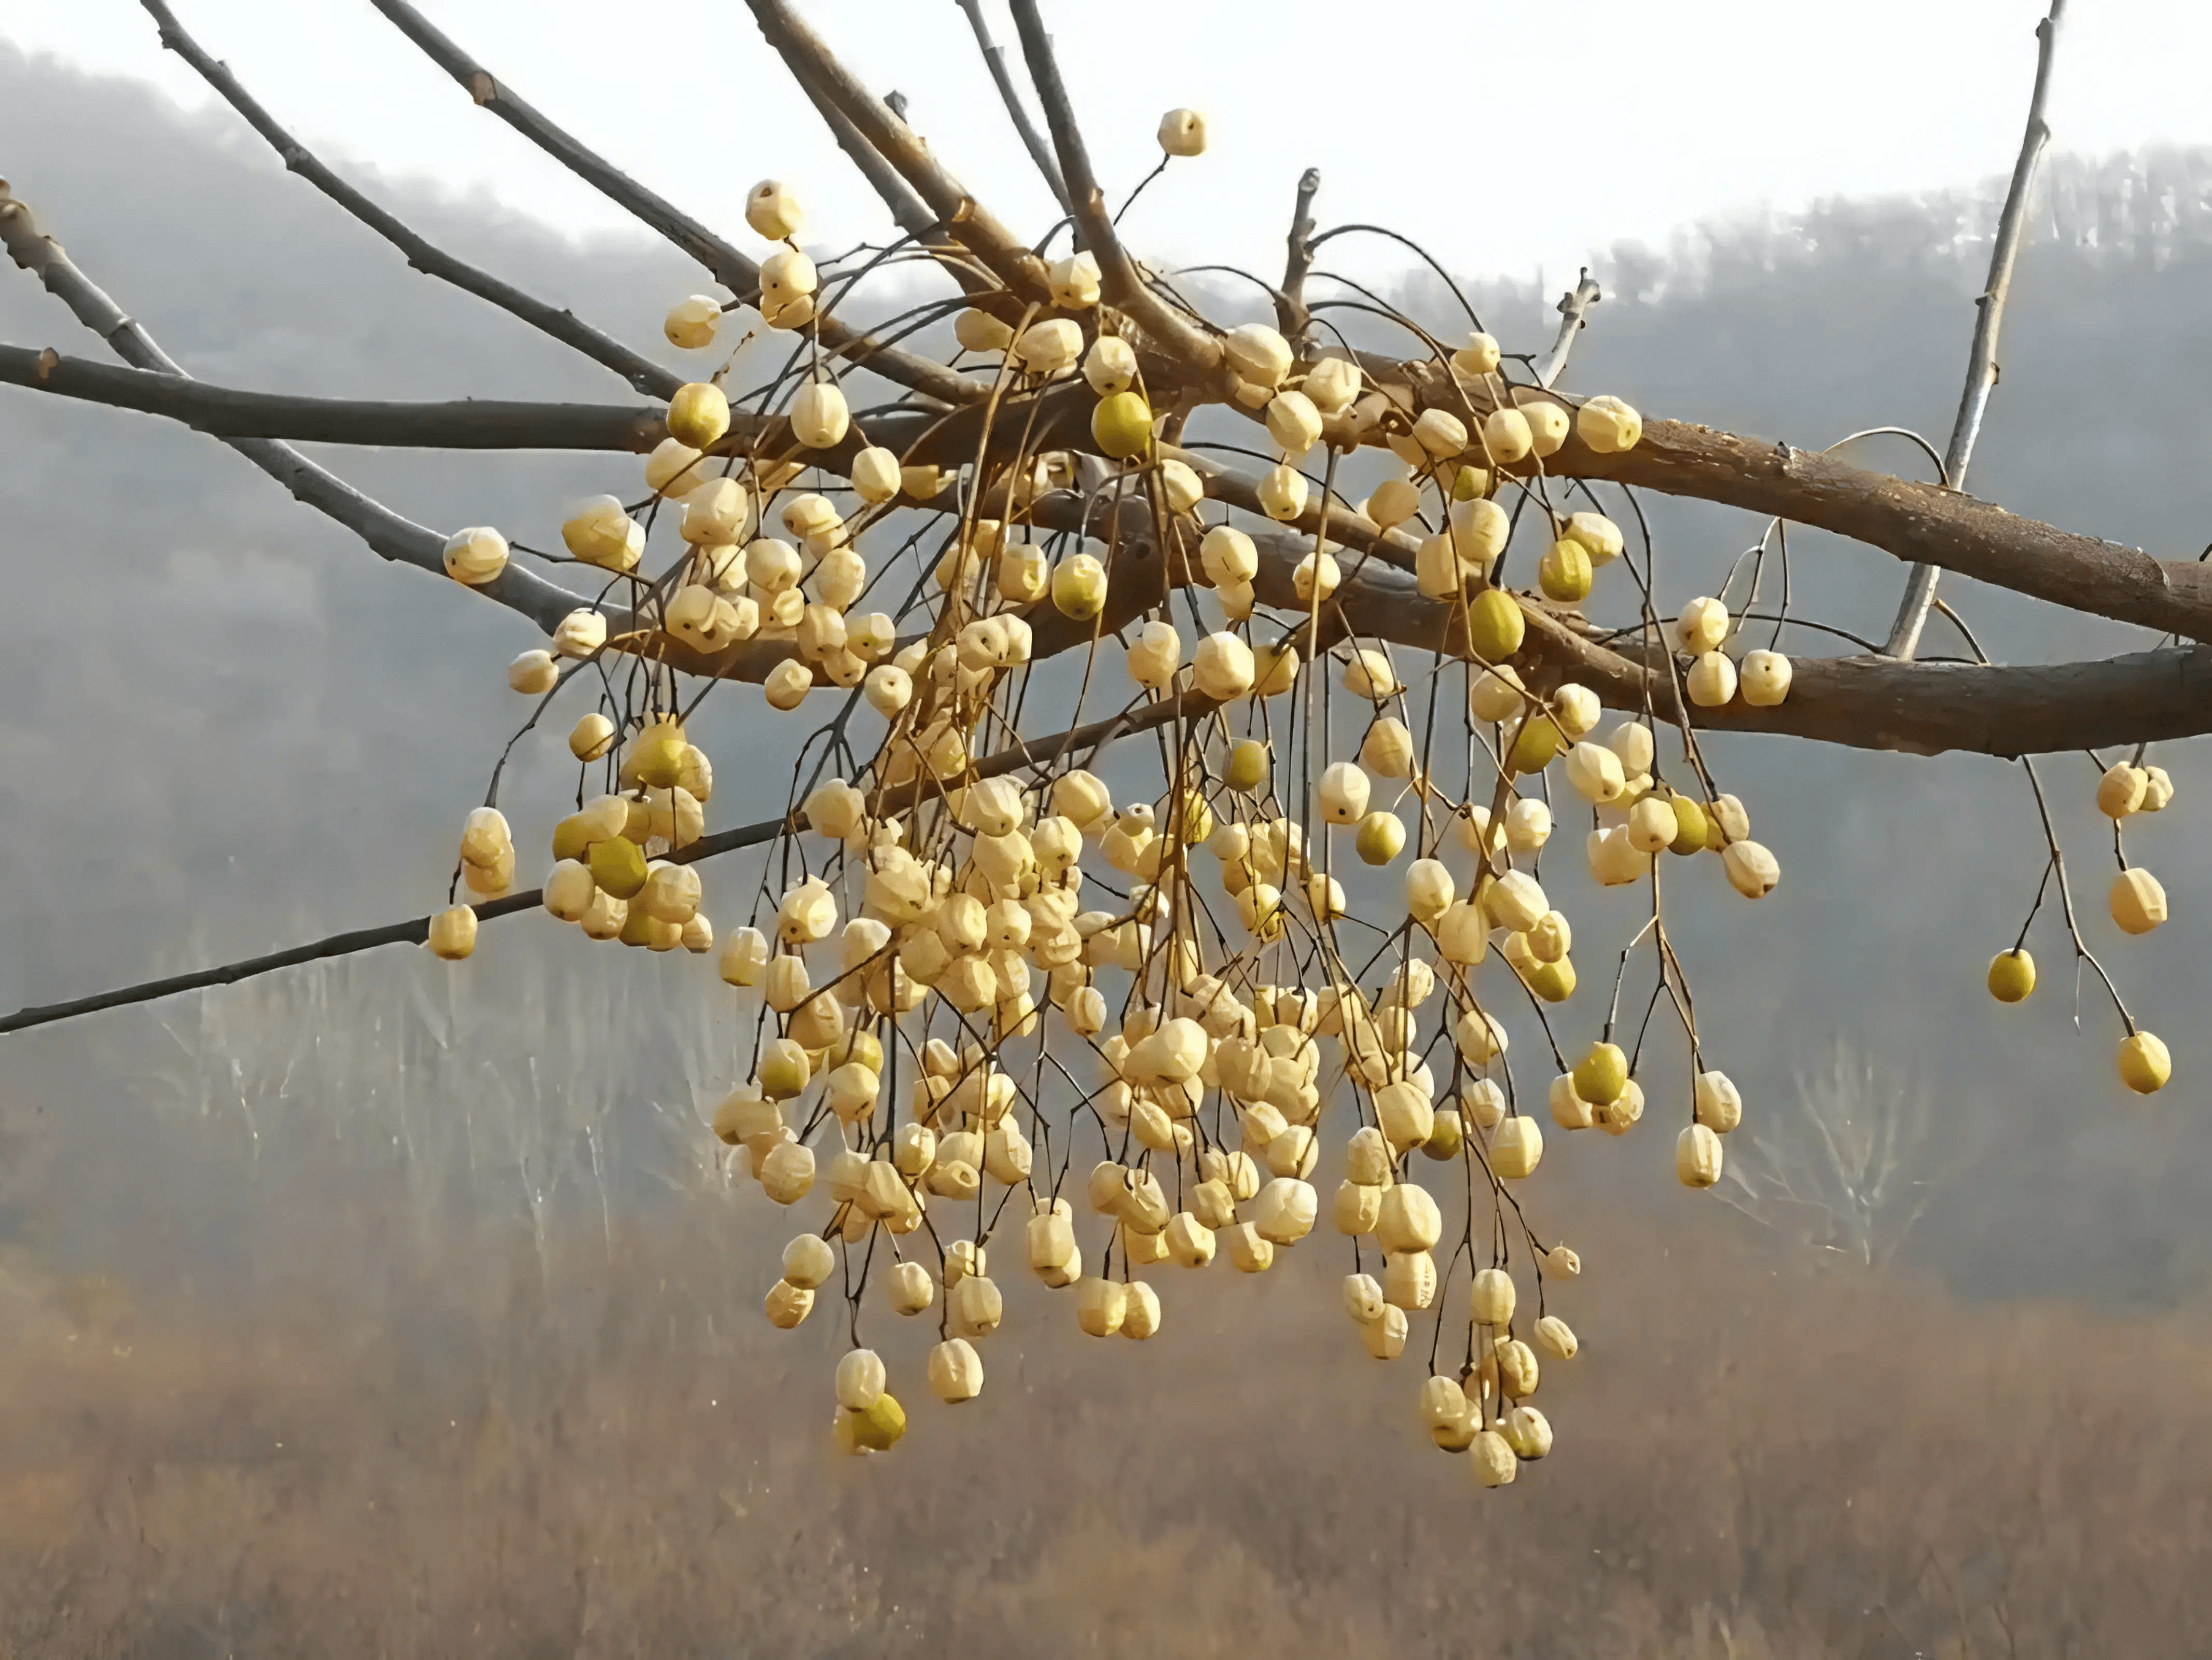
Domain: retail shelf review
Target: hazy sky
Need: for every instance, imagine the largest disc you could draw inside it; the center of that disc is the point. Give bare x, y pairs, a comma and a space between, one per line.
1504, 137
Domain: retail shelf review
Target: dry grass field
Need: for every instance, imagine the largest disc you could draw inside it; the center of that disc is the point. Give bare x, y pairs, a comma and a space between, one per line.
598, 1448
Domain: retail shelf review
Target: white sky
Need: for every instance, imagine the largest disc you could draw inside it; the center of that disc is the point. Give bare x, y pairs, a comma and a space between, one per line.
1504, 137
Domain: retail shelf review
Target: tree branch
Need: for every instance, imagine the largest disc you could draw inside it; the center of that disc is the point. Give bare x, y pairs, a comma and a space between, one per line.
1291, 313
967, 219
1574, 313
909, 210
390, 535
740, 275
227, 412
1199, 355
1982, 356
642, 373
994, 57
417, 930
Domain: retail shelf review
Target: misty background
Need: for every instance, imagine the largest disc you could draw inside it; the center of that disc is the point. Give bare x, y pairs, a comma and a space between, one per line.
226, 726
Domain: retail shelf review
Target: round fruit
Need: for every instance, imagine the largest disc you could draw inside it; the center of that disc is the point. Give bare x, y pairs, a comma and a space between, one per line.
1122, 424
1564, 573
2012, 976
2144, 1064
1536, 745
1495, 627
1601, 1075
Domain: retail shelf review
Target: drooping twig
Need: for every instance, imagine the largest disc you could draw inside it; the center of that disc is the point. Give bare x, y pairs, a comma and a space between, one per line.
1982, 356
425, 256
1291, 313
1574, 311
994, 56
739, 274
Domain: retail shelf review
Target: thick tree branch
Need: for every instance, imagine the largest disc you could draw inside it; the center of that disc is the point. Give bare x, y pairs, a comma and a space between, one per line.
740, 275
1982, 356
911, 213
1913, 521
1198, 354
641, 371
227, 412
968, 220
994, 57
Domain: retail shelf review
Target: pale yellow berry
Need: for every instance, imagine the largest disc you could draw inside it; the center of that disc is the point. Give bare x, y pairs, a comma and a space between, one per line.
475, 555
772, 209
1608, 425
1182, 133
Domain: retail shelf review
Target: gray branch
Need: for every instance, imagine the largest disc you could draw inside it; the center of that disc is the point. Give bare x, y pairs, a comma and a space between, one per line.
641, 371
1574, 311
1982, 356
740, 275
392, 536
994, 55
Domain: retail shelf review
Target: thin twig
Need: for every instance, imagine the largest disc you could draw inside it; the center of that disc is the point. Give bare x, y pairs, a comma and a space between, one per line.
994, 56
425, 256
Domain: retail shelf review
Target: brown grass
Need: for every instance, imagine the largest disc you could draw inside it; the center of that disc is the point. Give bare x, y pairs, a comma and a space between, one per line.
602, 1450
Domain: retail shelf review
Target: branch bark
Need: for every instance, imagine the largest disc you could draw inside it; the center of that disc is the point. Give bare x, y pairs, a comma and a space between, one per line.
994, 57
1292, 316
739, 274
1574, 314
967, 219
1982, 356
1198, 354
228, 412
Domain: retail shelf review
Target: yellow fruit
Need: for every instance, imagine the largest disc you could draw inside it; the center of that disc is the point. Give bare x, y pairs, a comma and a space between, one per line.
2012, 976
617, 866
1078, 587
454, 935
1495, 627
1553, 981
698, 415
1248, 765
879, 1427
1692, 833
1564, 573
1601, 1075
2144, 1064
1122, 424
1381, 838
1535, 746
658, 756
1447, 1137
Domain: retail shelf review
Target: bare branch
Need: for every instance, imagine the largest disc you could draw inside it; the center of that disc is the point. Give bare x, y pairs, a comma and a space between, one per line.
1291, 313
1574, 313
994, 55
1199, 354
1982, 356
417, 930
641, 371
227, 412
910, 211
960, 213
740, 275
388, 534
